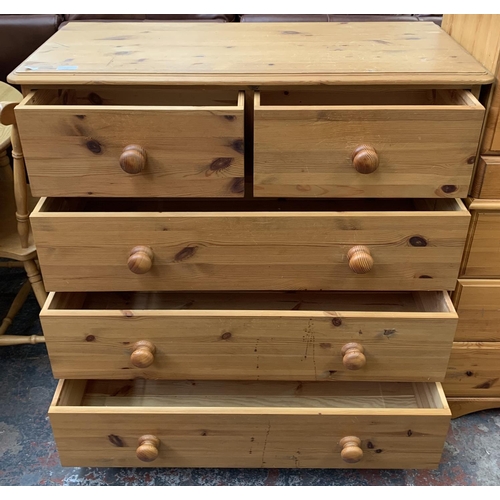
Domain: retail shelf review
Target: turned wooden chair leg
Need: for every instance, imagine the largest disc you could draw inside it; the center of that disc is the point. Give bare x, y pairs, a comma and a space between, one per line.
20, 339
5, 168
17, 303
35, 278
20, 188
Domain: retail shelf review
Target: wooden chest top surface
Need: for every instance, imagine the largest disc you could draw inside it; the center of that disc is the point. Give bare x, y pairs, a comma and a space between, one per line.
250, 54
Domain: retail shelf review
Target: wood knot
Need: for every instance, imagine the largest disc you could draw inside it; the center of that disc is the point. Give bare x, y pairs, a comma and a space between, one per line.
220, 164
369, 445
449, 188
418, 241
90, 338
94, 146
471, 159
185, 253
95, 98
409, 433
239, 146
116, 440
336, 321
469, 373
230, 118
226, 336
237, 185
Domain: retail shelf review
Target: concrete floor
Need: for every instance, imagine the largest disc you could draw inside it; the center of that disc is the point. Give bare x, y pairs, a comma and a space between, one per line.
28, 455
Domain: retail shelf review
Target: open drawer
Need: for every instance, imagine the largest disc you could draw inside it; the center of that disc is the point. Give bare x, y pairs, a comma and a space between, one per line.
382, 336
365, 142
91, 244
133, 142
249, 424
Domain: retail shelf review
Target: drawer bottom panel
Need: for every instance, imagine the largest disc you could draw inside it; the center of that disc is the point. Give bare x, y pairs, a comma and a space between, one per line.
249, 424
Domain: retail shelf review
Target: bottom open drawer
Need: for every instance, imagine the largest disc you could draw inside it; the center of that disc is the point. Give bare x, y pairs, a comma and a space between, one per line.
249, 424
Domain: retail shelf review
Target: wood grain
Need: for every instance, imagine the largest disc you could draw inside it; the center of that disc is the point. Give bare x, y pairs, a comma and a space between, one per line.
464, 406
477, 305
423, 150
418, 249
264, 336
487, 178
479, 34
473, 370
185, 53
483, 258
251, 433
77, 150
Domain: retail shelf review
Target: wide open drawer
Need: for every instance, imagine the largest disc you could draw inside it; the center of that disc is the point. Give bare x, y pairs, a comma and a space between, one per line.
250, 336
249, 424
133, 142
108, 245
365, 142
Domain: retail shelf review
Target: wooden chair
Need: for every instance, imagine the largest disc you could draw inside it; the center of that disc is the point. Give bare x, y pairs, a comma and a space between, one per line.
16, 203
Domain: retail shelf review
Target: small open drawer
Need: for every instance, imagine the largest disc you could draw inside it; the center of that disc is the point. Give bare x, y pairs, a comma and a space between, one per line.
134, 142
249, 424
379, 336
365, 142
90, 244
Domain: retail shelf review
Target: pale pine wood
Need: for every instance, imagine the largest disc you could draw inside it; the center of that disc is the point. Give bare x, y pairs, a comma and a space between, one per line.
253, 425
479, 34
487, 178
416, 249
463, 406
79, 150
473, 370
425, 150
258, 336
482, 259
257, 54
477, 303
7, 94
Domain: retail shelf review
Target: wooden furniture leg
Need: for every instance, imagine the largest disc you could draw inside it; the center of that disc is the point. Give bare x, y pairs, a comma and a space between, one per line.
16, 305
35, 278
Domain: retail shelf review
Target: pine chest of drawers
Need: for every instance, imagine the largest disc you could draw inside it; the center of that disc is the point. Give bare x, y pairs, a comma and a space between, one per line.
249, 245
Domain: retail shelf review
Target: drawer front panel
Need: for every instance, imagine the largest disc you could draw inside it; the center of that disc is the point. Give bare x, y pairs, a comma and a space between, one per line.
187, 151
250, 436
298, 343
484, 258
487, 178
474, 370
315, 151
250, 251
477, 303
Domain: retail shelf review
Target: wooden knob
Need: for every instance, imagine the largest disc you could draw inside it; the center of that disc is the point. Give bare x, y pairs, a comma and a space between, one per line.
351, 449
360, 259
365, 159
147, 451
133, 159
143, 354
140, 259
352, 356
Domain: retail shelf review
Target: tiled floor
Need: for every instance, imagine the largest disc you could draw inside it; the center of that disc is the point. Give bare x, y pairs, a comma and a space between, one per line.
28, 455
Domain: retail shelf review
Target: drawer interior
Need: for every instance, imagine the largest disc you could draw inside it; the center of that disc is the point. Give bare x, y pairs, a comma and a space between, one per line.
371, 97
243, 394
117, 96
303, 205
403, 302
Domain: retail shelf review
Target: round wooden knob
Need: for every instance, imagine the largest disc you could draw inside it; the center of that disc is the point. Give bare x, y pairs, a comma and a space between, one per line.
352, 356
143, 354
351, 449
140, 259
360, 259
365, 159
147, 451
133, 159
